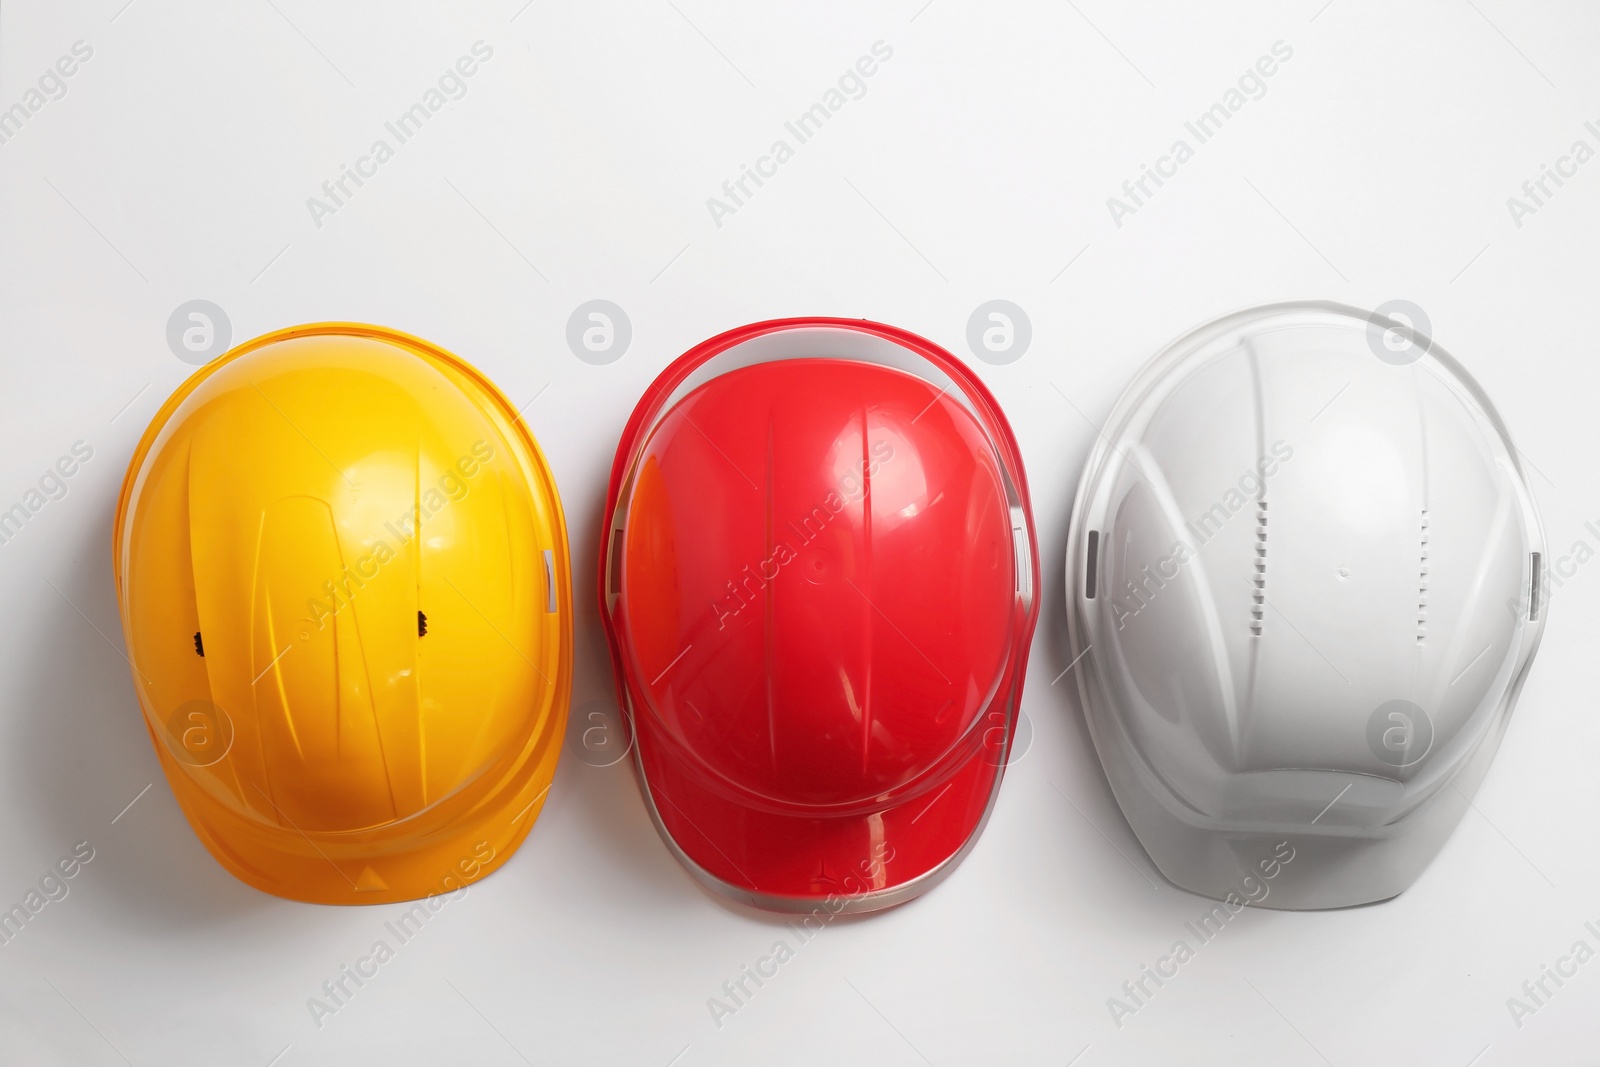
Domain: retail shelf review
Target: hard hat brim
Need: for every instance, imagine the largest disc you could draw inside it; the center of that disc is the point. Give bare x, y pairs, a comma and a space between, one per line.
834, 865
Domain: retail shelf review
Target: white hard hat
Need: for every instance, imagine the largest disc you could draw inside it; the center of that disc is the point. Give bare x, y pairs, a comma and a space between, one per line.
1303, 581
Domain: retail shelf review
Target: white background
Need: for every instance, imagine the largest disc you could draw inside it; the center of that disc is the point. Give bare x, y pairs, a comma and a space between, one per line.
976, 166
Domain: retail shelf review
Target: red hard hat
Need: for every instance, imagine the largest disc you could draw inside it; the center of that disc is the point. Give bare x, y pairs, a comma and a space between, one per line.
818, 586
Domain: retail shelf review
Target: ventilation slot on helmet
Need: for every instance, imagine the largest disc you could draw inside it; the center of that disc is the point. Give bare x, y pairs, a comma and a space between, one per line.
1094, 556
1533, 593
1258, 595
200, 649
422, 625
1422, 585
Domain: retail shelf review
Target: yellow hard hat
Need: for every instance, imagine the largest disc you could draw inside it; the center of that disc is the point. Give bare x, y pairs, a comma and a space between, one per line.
343, 575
